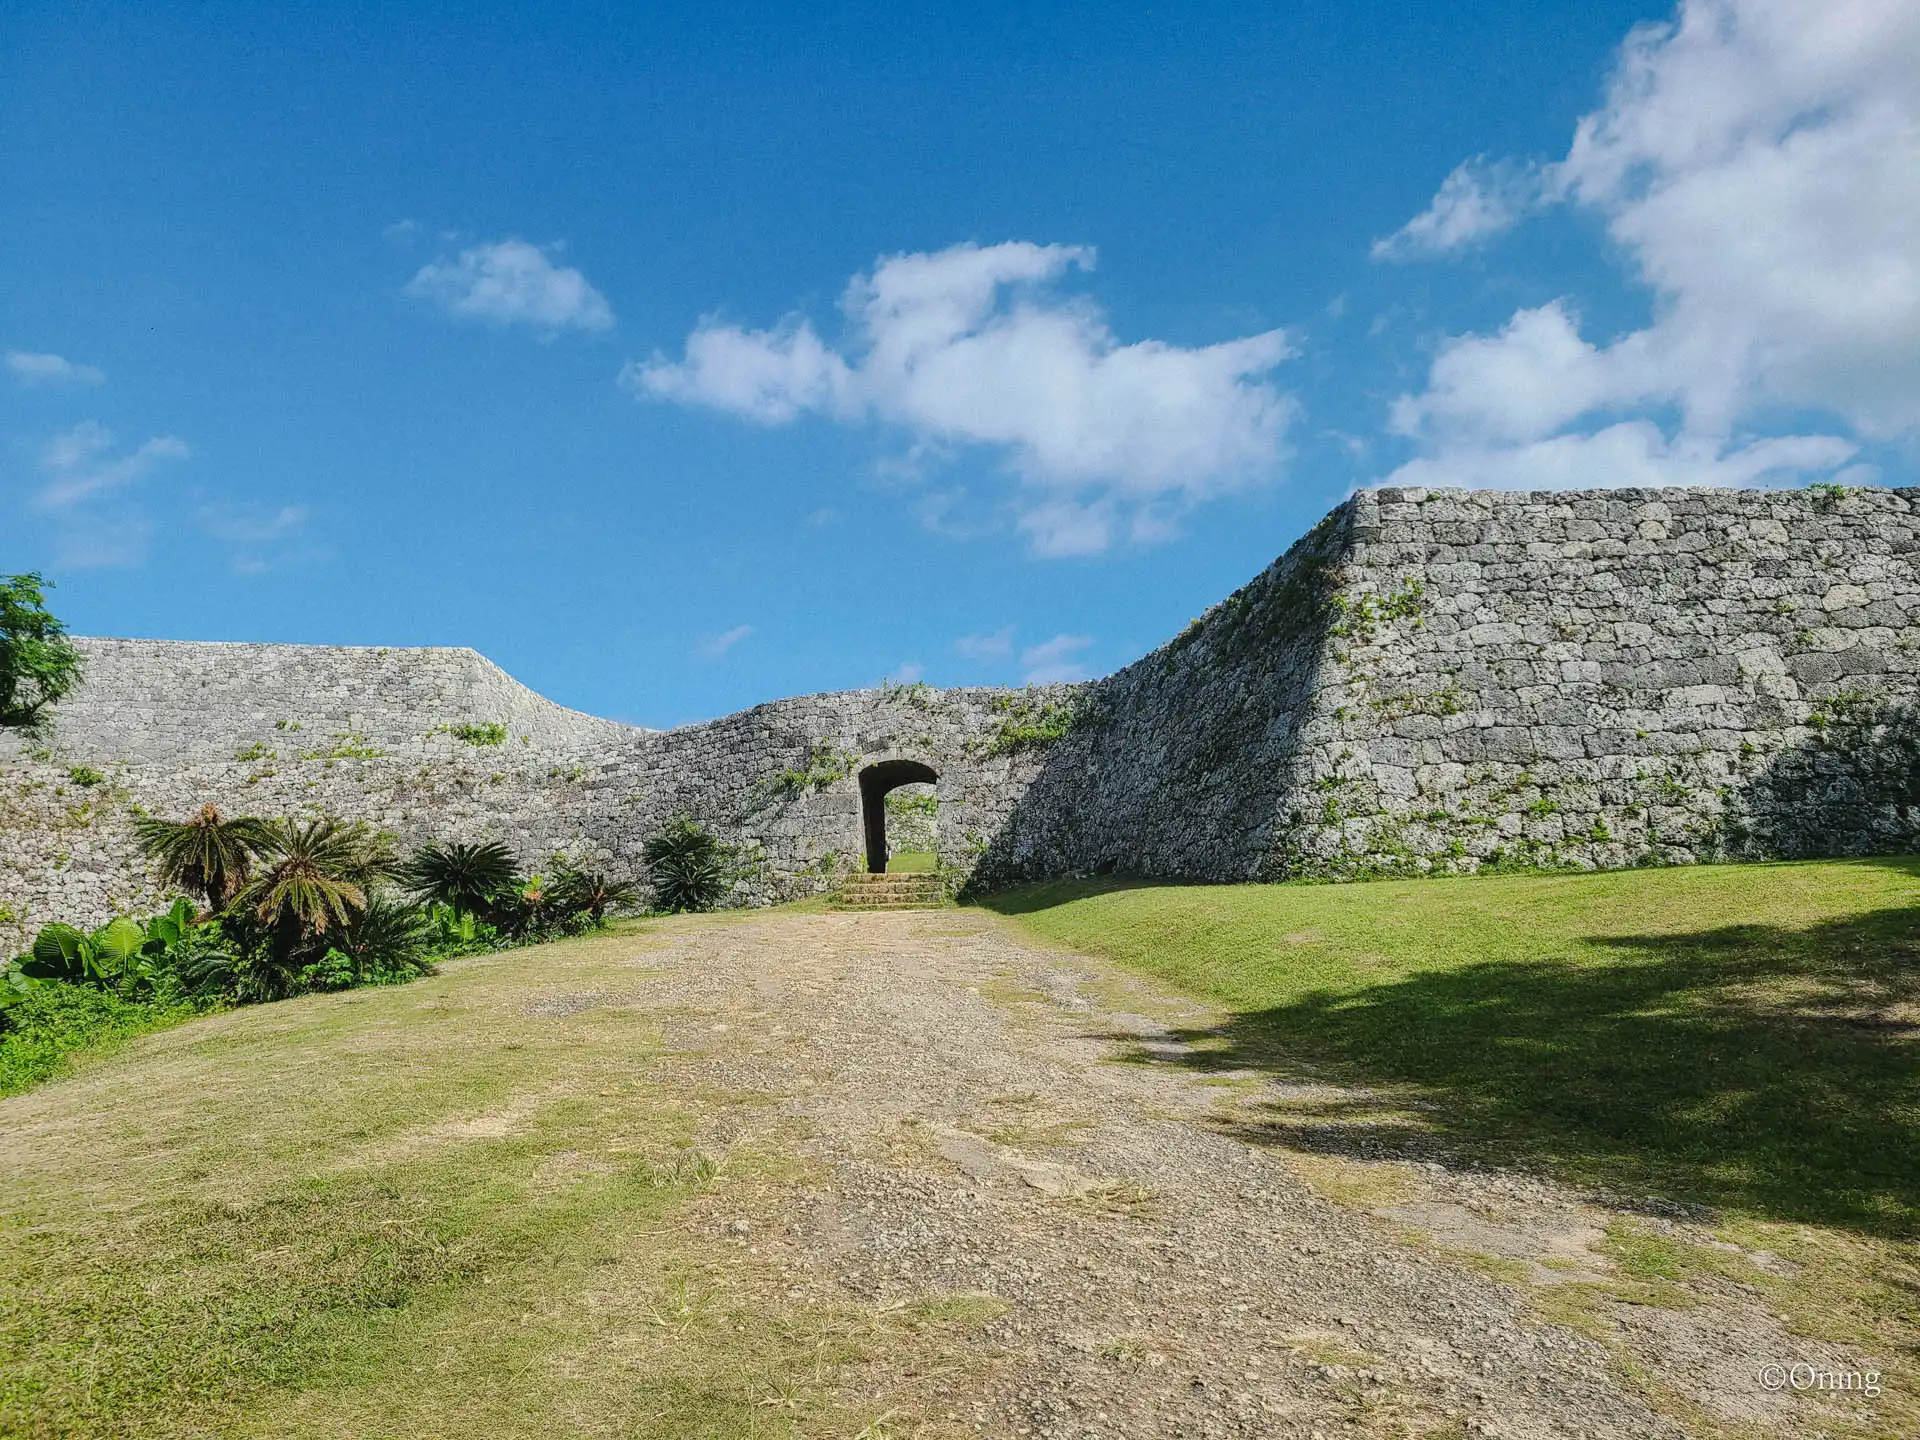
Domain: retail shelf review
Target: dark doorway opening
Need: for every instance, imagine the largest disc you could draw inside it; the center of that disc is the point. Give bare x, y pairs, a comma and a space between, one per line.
875, 781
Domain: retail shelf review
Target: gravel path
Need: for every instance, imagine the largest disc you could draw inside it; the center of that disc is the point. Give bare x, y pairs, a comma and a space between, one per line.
958, 1093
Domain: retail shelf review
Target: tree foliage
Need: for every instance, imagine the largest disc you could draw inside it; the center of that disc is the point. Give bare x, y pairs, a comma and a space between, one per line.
688, 865
38, 664
470, 876
209, 854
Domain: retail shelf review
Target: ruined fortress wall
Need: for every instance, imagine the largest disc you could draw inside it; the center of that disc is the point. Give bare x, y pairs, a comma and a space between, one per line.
1428, 681
368, 734
1451, 679
184, 702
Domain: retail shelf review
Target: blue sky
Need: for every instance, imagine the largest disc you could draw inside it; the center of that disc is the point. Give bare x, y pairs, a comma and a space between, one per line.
678, 363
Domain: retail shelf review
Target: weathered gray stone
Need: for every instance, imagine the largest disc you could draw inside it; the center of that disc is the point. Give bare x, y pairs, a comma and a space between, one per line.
1588, 679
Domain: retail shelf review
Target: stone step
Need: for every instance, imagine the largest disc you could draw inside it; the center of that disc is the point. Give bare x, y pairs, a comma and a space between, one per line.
914, 890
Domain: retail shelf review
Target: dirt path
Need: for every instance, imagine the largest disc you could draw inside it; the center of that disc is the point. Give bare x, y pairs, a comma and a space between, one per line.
1149, 1274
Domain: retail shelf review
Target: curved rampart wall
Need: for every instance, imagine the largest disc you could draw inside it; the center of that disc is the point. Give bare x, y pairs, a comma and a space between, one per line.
1427, 681
370, 734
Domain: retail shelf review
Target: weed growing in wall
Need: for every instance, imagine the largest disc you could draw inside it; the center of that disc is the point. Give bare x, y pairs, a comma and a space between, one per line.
474, 732
826, 764
347, 745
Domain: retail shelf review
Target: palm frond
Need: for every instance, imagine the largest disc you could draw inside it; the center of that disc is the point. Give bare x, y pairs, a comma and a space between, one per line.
317, 880
470, 876
208, 854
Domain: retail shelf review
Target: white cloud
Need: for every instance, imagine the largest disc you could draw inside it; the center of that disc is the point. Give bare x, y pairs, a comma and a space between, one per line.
36, 368
764, 375
997, 646
510, 282
1758, 162
1051, 662
257, 535
907, 672
1479, 200
720, 644
971, 346
1631, 453
1530, 379
79, 465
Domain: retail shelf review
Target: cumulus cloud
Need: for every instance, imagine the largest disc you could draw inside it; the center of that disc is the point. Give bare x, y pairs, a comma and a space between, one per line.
1480, 199
975, 346
31, 367
1052, 661
997, 646
80, 465
509, 282
1758, 163
1632, 452
720, 644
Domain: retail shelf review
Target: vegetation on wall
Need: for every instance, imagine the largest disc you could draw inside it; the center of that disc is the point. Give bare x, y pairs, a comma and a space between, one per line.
1025, 721
475, 732
825, 765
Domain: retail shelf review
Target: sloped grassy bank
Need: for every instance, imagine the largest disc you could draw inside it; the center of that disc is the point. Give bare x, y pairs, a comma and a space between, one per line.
1741, 1036
1740, 1041
479, 1204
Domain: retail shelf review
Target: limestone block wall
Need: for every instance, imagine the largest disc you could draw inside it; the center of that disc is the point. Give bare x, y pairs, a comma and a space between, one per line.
368, 734
1452, 679
1427, 681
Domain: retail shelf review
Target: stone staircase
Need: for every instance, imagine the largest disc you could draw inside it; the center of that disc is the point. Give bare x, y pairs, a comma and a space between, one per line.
921, 891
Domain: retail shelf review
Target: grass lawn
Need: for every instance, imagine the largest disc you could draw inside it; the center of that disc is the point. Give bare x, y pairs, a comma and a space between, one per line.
913, 862
1743, 1038
436, 1209
1746, 1036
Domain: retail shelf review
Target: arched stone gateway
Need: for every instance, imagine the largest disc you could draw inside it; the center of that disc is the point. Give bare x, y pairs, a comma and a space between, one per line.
1427, 681
876, 781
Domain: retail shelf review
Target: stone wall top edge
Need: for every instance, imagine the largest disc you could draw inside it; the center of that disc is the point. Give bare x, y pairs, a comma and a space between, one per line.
1734, 494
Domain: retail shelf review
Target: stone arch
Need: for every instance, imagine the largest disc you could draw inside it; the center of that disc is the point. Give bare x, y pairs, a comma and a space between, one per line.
876, 780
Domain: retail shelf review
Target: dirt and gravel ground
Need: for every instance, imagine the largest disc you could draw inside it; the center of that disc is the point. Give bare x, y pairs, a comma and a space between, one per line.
1006, 1132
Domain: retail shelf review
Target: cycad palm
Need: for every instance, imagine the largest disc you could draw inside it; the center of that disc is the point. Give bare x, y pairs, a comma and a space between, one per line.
209, 854
468, 876
318, 878
592, 892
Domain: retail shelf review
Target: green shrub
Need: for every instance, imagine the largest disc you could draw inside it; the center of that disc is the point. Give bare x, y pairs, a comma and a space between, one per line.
51, 1021
85, 776
490, 732
689, 867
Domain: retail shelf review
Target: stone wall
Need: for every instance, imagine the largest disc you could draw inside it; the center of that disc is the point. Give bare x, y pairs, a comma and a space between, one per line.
1427, 681
373, 734
1450, 679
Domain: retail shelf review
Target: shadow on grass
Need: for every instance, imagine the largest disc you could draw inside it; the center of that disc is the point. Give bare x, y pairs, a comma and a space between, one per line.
1771, 1070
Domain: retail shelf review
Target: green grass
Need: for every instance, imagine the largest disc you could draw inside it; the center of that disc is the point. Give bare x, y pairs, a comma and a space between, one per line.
57, 1025
1745, 1037
913, 862
432, 1209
